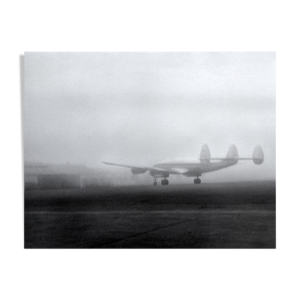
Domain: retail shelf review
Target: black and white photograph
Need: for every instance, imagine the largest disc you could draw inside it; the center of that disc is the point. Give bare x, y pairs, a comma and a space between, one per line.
149, 149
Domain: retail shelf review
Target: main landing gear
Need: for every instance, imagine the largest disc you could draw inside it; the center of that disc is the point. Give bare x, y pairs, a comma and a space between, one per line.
197, 180
163, 182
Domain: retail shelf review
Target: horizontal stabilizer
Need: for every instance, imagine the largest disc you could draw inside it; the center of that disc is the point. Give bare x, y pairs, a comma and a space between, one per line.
232, 158
232, 155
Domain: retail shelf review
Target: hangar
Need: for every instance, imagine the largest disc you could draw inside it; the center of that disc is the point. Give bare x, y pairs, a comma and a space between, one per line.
59, 176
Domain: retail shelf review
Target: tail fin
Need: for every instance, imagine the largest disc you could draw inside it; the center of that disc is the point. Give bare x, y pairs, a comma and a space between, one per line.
205, 154
232, 154
258, 155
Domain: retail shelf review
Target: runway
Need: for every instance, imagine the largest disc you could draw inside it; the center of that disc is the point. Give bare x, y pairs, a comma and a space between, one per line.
122, 212
235, 215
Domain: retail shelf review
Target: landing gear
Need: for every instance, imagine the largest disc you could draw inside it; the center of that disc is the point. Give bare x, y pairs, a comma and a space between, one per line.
165, 182
197, 180
162, 175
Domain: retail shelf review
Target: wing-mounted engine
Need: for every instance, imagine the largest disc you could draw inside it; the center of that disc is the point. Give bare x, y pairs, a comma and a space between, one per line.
138, 171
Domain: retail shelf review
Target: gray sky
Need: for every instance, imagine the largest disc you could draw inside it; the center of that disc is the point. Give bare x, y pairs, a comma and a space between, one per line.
145, 107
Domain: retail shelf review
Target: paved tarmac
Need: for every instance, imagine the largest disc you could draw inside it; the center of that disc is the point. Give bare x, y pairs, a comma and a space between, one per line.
222, 215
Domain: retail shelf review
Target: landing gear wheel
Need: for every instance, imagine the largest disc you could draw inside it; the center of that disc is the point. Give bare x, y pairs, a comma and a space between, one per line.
197, 180
164, 182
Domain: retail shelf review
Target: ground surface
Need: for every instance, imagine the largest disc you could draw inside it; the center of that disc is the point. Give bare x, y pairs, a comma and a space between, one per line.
227, 215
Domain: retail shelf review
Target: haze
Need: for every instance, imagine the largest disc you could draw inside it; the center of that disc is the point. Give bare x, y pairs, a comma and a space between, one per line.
141, 108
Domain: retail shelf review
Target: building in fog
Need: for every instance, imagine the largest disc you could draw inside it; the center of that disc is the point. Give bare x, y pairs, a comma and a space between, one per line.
60, 176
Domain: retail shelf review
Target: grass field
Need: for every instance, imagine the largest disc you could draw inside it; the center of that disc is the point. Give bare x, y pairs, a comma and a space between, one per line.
227, 215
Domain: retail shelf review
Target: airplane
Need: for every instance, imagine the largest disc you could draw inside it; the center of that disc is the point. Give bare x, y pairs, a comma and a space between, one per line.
164, 170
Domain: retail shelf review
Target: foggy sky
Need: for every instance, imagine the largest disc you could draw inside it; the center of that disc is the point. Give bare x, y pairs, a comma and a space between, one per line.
141, 108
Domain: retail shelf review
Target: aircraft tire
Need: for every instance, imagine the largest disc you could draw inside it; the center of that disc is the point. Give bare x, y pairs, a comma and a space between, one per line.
197, 180
164, 182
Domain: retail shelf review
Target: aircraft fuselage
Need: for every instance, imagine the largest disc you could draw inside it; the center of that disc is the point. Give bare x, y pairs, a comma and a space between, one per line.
193, 169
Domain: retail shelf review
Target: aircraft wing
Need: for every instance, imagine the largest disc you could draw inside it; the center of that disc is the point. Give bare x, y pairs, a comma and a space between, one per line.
142, 169
128, 166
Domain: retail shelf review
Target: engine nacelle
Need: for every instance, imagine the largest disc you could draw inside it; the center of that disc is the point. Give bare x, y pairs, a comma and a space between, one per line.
138, 171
